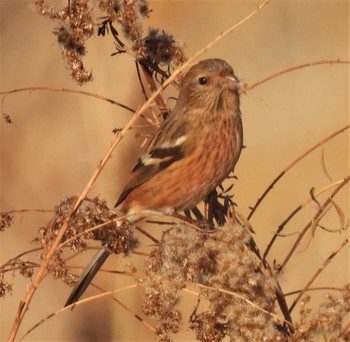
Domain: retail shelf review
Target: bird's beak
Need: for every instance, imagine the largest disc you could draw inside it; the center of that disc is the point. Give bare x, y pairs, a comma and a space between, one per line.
231, 78
231, 82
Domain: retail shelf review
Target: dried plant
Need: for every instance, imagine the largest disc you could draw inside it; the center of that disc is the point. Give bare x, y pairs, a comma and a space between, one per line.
210, 253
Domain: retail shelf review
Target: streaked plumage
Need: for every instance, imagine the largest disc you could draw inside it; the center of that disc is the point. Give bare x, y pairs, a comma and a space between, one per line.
190, 155
195, 148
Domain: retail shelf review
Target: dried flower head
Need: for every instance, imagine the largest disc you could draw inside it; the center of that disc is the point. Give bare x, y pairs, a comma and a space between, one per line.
75, 29
115, 234
159, 47
5, 287
218, 261
6, 221
326, 320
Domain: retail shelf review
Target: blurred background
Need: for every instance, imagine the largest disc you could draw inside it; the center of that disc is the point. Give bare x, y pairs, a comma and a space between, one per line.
57, 139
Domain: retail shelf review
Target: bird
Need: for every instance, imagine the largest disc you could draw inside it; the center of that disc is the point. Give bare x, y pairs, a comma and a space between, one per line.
192, 152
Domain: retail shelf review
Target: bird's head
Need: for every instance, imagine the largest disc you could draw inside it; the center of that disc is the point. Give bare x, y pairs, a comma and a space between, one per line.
205, 84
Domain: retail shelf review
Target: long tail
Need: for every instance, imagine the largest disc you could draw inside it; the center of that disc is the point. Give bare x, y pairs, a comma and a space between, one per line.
87, 276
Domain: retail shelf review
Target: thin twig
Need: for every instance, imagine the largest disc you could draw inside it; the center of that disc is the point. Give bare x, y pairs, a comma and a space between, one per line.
320, 288
174, 283
20, 211
292, 164
344, 330
140, 81
294, 212
317, 273
65, 90
309, 225
42, 270
133, 313
89, 230
152, 86
144, 322
19, 256
285, 71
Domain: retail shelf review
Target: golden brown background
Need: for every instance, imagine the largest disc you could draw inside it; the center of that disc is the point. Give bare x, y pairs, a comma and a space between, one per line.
58, 138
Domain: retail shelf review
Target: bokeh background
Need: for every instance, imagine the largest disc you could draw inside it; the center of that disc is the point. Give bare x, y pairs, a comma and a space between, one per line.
58, 139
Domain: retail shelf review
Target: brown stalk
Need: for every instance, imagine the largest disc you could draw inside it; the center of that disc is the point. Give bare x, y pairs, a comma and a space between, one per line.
285, 71
8, 262
294, 212
135, 315
310, 224
317, 273
65, 90
23, 306
20, 211
292, 164
152, 86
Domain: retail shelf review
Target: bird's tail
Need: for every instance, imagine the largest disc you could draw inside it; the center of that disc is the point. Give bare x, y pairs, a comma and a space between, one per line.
88, 275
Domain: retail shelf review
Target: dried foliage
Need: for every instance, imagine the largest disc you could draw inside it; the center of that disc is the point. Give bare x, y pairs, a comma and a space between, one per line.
213, 257
93, 213
220, 260
77, 22
76, 26
115, 235
6, 221
327, 320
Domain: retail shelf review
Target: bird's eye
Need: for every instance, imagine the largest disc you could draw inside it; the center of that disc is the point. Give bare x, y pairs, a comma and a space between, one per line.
202, 80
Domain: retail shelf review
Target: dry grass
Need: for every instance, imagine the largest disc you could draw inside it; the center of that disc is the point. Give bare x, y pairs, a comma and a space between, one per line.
237, 288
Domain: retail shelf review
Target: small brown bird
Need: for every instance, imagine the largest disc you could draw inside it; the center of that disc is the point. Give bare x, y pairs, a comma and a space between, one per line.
194, 150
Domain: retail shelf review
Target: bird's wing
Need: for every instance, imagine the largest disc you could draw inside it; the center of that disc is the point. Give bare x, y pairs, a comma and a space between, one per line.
166, 147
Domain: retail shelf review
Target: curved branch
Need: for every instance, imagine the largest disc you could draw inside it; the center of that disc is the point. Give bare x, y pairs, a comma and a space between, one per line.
285, 71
